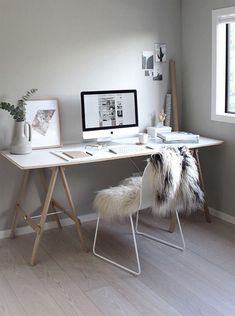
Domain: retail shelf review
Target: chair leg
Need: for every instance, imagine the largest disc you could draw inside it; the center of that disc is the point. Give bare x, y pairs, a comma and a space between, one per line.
161, 240
113, 262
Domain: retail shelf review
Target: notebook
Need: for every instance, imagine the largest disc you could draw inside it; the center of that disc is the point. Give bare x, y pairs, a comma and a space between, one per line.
76, 154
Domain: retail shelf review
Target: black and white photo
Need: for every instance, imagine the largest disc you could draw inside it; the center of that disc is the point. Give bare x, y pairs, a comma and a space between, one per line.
157, 76
147, 60
160, 53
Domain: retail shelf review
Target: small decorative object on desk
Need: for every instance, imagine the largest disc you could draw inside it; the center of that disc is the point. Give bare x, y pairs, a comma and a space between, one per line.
153, 131
143, 138
160, 128
161, 119
21, 143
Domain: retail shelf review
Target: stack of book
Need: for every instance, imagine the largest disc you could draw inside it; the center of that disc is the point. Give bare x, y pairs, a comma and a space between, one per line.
178, 137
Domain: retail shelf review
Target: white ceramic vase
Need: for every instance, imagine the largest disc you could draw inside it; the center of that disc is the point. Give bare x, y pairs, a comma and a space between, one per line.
21, 143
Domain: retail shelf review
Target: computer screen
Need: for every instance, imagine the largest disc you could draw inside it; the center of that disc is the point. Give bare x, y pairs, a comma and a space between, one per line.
109, 113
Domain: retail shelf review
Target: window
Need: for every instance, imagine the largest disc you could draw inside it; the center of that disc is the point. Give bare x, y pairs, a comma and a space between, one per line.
223, 65
230, 68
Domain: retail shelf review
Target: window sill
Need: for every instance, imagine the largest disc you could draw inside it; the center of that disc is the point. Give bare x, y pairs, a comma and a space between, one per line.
223, 117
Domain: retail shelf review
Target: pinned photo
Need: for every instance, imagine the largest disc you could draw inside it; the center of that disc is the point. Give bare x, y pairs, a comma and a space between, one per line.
148, 73
147, 60
160, 53
157, 74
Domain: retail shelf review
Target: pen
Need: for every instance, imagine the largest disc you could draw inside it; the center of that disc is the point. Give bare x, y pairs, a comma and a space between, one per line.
87, 152
112, 151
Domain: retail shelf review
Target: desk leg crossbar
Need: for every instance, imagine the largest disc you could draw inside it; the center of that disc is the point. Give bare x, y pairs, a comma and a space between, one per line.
49, 201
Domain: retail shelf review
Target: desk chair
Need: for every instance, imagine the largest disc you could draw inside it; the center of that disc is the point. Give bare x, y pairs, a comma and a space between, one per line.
147, 196
112, 204
169, 179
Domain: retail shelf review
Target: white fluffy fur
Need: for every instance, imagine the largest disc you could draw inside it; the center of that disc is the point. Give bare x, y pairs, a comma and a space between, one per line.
177, 194
120, 201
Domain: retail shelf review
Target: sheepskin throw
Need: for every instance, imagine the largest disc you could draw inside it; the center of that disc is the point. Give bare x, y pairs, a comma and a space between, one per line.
120, 201
174, 182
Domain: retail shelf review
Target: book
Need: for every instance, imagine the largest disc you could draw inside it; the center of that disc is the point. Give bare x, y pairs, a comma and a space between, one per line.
179, 137
76, 154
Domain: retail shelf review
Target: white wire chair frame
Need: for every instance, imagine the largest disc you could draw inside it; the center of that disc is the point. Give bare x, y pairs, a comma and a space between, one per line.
146, 198
135, 272
145, 202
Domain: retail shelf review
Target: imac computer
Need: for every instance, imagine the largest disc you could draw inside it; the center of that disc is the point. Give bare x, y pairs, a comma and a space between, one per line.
109, 114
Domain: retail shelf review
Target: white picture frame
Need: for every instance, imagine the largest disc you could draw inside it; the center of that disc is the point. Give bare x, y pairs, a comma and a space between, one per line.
44, 118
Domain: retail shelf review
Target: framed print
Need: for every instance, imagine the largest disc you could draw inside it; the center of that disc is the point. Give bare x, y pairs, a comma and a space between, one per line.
44, 118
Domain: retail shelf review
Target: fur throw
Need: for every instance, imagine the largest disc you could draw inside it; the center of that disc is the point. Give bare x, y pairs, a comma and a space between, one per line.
120, 201
174, 181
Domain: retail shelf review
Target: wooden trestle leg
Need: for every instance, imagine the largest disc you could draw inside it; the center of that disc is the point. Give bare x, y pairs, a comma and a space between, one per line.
172, 223
206, 208
44, 185
72, 212
49, 201
45, 208
19, 199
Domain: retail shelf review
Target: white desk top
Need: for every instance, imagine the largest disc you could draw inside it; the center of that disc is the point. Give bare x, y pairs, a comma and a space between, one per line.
45, 159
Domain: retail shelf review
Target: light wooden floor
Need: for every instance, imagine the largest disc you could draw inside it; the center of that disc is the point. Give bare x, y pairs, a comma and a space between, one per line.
199, 281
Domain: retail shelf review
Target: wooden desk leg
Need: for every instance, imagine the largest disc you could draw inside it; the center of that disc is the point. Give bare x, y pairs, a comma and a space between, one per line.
44, 213
44, 185
206, 208
172, 223
70, 200
19, 200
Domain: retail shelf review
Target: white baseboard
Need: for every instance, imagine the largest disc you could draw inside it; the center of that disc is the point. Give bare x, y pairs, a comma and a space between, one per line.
49, 225
222, 215
91, 217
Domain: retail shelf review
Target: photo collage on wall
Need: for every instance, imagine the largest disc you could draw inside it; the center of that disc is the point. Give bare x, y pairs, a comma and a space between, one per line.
152, 62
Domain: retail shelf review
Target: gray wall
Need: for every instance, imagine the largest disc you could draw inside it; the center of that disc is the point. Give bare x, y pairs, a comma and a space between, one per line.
63, 47
218, 163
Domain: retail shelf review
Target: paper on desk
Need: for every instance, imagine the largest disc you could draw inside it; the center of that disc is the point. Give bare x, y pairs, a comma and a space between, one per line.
60, 155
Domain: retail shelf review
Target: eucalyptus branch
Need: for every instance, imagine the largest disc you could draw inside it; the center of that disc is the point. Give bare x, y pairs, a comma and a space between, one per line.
18, 111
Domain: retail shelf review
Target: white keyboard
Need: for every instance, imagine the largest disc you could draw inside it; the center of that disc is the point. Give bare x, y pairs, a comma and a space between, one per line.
126, 149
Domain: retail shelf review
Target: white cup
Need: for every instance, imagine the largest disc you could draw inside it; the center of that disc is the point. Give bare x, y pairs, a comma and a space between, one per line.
143, 138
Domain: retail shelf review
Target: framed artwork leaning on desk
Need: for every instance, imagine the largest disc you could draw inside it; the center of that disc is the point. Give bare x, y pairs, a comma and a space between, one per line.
44, 118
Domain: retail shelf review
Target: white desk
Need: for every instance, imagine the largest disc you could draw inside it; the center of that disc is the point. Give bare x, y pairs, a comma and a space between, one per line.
44, 159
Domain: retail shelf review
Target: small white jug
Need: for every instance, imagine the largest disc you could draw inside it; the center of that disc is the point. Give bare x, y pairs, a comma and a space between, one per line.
21, 143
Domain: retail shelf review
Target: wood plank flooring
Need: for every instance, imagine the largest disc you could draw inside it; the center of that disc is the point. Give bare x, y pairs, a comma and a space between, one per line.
67, 281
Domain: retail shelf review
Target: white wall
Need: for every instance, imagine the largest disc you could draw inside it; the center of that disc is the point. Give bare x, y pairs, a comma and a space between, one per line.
63, 47
218, 163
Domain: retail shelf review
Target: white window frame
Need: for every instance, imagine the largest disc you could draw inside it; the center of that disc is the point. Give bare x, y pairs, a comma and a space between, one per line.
219, 18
